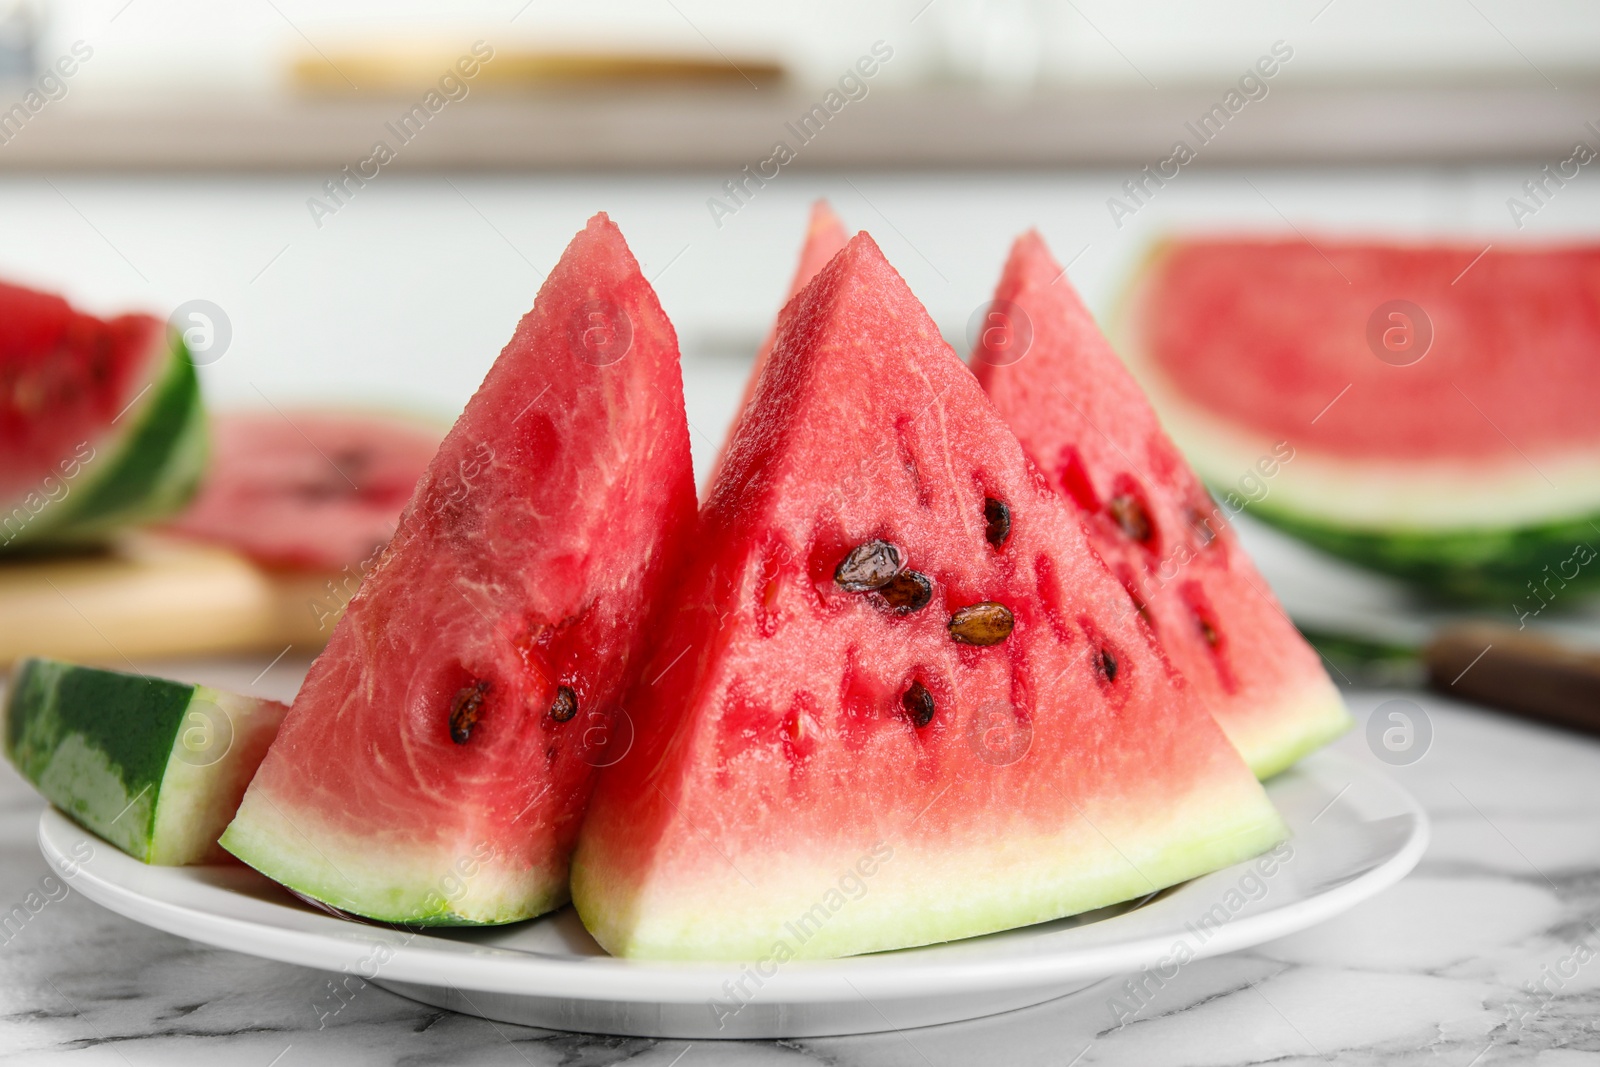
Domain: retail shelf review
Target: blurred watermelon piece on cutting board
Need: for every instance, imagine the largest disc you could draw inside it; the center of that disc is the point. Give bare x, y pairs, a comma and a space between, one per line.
308, 488
101, 425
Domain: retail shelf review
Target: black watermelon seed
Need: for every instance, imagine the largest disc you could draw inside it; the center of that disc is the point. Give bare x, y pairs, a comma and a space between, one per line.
465, 708
918, 703
997, 521
1108, 664
1131, 517
868, 567
1209, 632
982, 624
908, 591
565, 705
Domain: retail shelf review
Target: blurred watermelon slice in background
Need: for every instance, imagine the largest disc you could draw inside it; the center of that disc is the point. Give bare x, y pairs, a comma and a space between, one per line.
316, 489
101, 425
1440, 400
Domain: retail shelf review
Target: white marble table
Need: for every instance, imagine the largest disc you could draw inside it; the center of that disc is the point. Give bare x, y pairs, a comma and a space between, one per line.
1436, 970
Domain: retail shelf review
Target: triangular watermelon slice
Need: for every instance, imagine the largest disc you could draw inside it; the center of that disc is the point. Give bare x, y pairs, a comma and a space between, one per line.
825, 236
900, 699
436, 762
1086, 424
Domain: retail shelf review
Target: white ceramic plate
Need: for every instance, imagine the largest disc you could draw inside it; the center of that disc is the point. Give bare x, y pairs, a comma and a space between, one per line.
1354, 833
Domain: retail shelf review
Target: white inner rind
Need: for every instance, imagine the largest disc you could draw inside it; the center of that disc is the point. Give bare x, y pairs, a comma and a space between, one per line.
466, 883
211, 764
1275, 738
783, 904
1384, 495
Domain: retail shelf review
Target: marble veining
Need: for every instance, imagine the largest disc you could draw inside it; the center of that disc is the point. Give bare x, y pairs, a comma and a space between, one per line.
1488, 953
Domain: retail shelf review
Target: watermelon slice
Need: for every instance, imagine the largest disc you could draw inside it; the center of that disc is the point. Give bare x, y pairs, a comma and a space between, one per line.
154, 767
1439, 399
900, 699
1082, 419
437, 759
100, 421
308, 489
824, 238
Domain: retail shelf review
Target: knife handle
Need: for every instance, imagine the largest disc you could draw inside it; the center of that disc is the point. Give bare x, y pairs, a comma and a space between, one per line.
1517, 671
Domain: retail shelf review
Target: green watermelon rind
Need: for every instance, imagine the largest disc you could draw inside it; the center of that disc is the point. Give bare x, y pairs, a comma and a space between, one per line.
109, 750
1470, 566
142, 471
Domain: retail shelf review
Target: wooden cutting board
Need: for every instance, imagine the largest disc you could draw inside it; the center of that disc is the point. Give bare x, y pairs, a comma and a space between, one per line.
149, 596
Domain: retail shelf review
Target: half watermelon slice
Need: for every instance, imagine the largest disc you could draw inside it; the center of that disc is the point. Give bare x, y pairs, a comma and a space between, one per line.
1084, 421
100, 421
825, 236
436, 762
899, 699
1440, 399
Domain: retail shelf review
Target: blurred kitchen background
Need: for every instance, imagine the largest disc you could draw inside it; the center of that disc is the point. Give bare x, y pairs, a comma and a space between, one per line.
366, 196
182, 156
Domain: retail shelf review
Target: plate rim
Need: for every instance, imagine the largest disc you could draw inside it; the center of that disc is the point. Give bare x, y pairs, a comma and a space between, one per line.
895, 975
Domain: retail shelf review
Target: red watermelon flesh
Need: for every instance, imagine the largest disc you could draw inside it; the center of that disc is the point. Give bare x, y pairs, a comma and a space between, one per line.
308, 488
821, 772
437, 759
824, 238
1084, 421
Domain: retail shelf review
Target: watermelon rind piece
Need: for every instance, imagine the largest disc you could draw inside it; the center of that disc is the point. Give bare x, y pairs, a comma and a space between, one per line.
144, 467
155, 767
